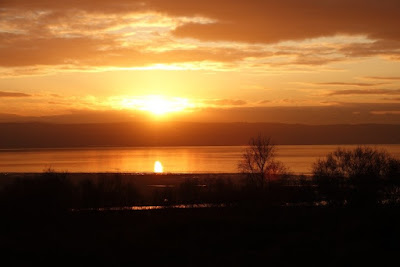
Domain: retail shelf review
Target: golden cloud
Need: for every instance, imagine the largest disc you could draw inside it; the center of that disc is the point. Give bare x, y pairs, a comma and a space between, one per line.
129, 33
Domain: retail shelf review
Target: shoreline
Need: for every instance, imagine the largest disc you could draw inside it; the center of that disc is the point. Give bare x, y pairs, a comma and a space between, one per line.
144, 181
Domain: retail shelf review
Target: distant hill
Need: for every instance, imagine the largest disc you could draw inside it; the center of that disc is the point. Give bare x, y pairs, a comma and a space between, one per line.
48, 135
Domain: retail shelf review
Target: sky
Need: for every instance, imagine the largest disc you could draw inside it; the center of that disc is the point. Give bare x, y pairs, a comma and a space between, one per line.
289, 61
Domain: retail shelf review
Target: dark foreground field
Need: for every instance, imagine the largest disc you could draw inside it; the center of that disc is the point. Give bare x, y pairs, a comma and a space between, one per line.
68, 219
284, 236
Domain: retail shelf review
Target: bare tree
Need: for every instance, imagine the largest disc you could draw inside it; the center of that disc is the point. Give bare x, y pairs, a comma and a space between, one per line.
259, 163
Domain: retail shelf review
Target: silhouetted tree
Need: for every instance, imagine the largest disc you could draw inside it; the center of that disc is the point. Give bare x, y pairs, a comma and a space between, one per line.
361, 172
259, 163
360, 163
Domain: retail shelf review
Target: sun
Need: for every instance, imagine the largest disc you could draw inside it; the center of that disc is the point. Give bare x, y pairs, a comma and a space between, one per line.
157, 105
160, 106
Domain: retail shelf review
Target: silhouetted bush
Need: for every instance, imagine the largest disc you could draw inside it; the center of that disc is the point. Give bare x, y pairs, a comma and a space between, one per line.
358, 176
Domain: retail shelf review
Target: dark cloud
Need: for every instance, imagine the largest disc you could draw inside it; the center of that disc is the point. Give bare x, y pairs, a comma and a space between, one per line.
366, 92
270, 21
101, 6
261, 102
80, 116
349, 84
383, 78
13, 94
392, 98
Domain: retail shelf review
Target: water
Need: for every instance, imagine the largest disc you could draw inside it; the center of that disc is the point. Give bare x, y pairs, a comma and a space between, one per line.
210, 159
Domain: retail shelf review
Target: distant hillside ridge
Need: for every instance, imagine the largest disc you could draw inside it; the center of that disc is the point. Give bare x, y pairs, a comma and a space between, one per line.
48, 135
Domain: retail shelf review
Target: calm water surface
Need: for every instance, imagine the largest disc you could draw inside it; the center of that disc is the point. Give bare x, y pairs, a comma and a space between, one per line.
211, 159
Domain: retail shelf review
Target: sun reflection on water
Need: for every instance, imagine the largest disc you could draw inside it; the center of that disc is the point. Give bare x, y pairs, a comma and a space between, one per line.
158, 167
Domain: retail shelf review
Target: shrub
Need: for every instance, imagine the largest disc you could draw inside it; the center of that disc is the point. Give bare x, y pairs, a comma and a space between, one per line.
356, 175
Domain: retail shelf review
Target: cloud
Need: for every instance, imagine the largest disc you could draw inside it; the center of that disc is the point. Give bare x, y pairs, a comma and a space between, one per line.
261, 102
392, 98
88, 51
273, 21
67, 35
366, 92
348, 84
41, 51
224, 102
386, 112
382, 78
101, 6
389, 48
13, 94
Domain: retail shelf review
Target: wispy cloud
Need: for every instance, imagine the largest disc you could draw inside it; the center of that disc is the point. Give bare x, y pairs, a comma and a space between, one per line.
262, 102
348, 84
366, 92
386, 112
382, 78
392, 98
224, 102
13, 94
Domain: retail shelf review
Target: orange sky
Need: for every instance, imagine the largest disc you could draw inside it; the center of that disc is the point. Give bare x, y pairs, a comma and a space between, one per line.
309, 61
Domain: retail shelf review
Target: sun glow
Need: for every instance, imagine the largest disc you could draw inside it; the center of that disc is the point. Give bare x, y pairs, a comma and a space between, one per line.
158, 167
157, 105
